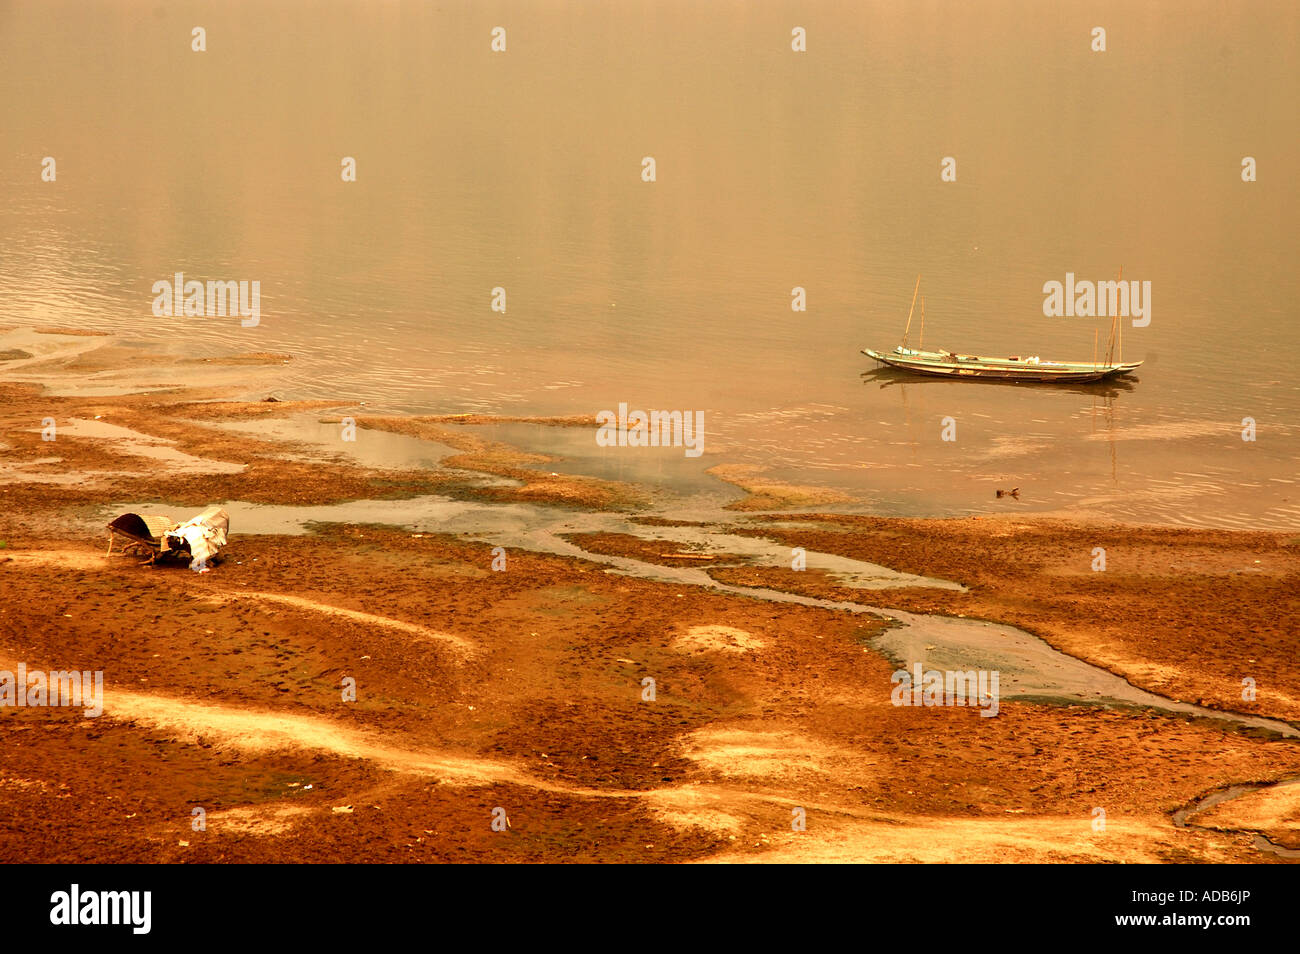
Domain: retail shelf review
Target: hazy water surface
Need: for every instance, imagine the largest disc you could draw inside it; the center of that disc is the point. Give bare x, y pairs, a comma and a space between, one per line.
775, 169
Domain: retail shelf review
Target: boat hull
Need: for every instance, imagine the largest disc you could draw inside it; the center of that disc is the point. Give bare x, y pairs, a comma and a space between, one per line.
976, 367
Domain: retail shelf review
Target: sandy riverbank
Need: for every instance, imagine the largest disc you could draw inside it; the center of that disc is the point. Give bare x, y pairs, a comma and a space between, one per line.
523, 689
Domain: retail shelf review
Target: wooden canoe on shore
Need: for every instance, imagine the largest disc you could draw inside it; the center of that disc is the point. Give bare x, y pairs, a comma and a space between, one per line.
157, 536
139, 532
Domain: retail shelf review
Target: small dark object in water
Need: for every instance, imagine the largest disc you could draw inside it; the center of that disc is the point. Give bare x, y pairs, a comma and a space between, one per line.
1013, 492
270, 400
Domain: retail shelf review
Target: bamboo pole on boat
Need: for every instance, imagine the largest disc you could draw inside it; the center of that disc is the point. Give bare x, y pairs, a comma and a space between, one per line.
909, 311
1116, 332
920, 345
1110, 340
1120, 359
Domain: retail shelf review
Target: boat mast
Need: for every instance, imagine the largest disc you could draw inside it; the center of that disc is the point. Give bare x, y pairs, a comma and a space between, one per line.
1121, 324
920, 345
1116, 332
909, 311
1110, 341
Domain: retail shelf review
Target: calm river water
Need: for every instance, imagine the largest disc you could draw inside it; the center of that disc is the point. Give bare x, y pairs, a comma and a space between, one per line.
774, 169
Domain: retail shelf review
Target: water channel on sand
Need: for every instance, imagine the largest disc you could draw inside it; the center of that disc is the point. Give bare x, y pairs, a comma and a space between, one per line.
1029, 667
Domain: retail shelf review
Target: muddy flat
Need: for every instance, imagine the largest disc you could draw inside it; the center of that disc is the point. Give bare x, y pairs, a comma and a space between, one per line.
509, 663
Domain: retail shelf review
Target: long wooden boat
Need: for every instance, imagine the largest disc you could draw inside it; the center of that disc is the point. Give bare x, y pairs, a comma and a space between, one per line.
1013, 368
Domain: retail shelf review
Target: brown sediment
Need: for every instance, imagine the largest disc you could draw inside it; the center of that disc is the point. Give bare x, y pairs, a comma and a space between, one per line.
648, 551
222, 701
239, 360
1187, 614
525, 688
502, 460
571, 420
1270, 810
242, 410
108, 357
106, 472
58, 330
651, 521
768, 494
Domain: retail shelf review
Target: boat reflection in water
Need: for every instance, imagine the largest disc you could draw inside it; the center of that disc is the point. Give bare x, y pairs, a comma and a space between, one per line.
888, 376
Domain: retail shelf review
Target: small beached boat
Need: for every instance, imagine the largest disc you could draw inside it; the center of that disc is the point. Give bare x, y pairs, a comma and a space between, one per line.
1014, 368
140, 533
157, 536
